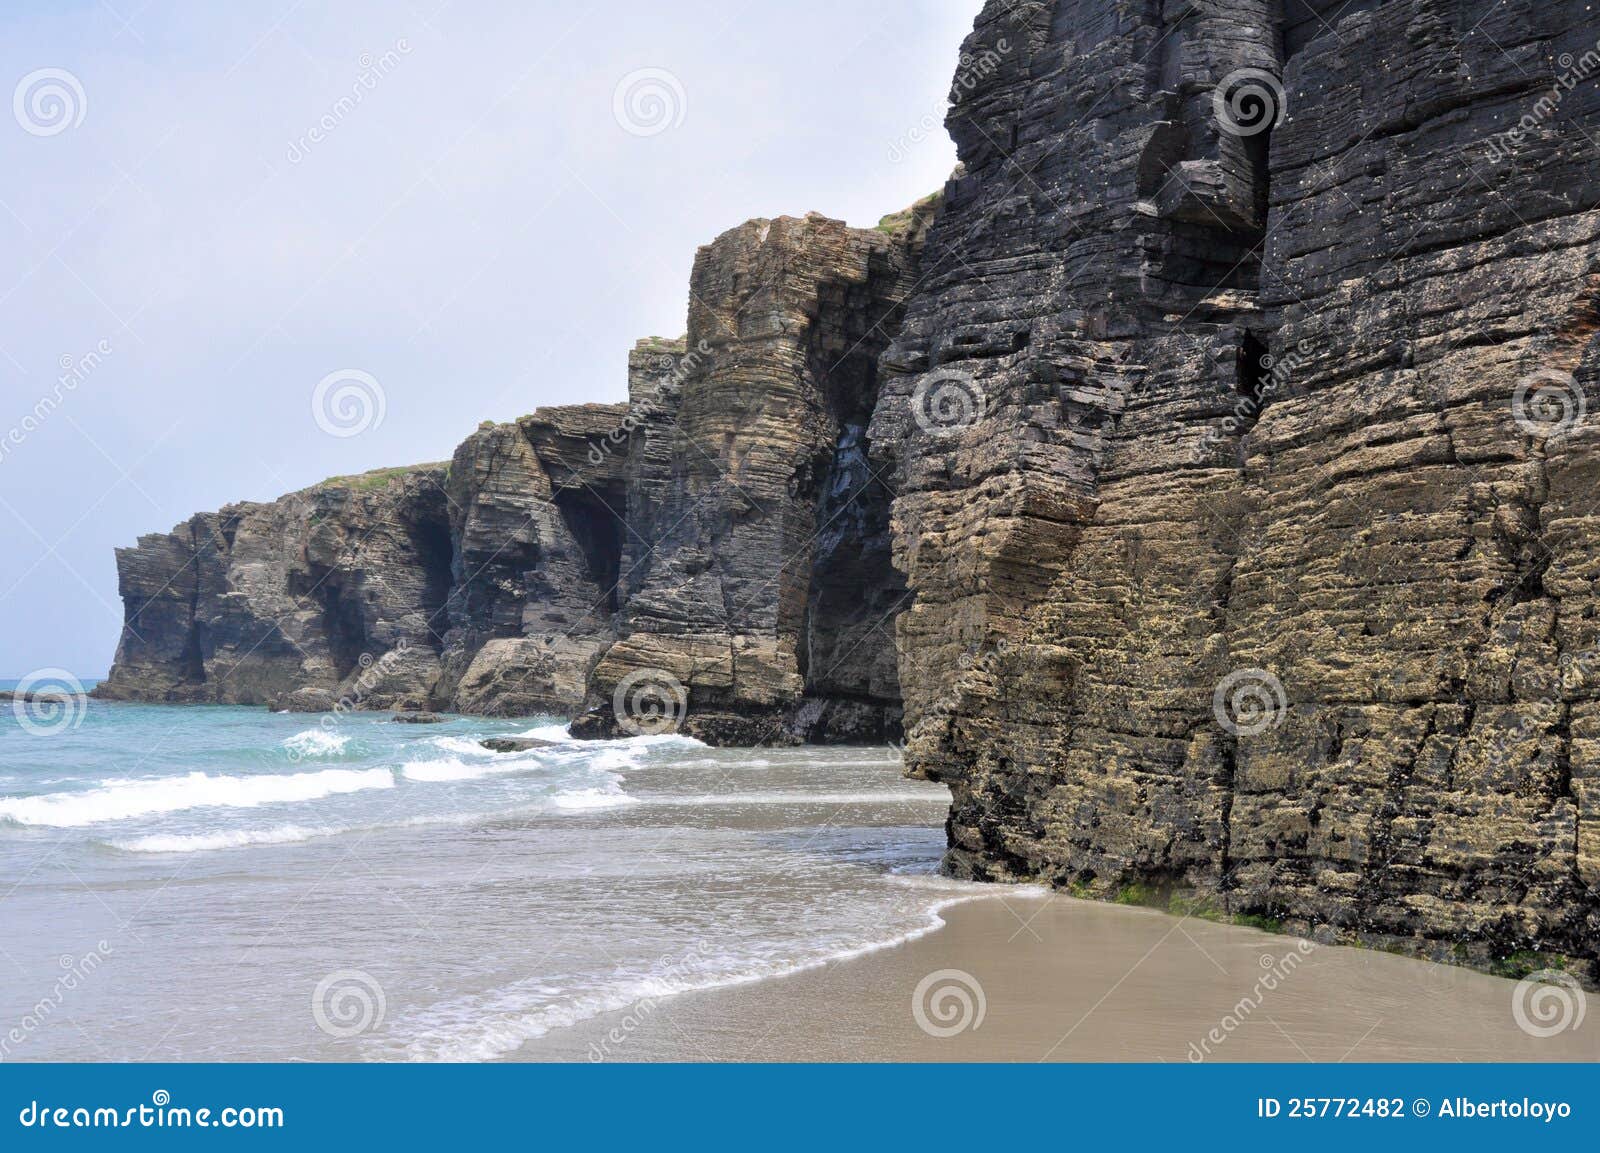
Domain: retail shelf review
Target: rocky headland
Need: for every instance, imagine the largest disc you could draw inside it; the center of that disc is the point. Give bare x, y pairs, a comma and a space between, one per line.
1203, 483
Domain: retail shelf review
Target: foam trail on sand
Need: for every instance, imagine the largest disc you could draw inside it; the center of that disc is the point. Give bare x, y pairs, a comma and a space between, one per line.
497, 1024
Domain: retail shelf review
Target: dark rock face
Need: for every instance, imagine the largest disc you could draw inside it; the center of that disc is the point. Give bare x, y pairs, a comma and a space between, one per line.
336, 592
537, 537
517, 744
1312, 637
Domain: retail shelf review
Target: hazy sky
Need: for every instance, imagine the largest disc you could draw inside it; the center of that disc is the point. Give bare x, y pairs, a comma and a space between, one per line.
206, 209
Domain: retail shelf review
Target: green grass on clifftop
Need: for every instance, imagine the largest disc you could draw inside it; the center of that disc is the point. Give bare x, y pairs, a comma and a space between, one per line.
897, 222
377, 478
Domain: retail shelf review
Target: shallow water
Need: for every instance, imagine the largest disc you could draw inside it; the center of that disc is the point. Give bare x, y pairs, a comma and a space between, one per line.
222, 883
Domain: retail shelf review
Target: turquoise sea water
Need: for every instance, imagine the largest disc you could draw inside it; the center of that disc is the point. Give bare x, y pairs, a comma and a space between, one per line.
224, 883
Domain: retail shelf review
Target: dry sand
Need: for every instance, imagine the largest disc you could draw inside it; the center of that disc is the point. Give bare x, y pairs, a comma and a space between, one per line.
1067, 980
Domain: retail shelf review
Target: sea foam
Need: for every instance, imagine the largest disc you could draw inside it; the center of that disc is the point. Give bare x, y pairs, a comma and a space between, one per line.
316, 743
120, 800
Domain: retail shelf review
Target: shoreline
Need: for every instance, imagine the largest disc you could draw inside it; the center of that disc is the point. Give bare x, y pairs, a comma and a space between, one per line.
1027, 975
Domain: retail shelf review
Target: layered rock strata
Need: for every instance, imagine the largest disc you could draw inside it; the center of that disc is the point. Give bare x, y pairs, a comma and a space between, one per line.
758, 577
333, 593
1265, 576
721, 538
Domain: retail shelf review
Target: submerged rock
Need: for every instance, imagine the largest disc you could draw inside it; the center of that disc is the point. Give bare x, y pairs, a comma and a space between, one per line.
517, 744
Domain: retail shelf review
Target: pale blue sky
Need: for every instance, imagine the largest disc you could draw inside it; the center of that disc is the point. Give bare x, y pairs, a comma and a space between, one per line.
478, 232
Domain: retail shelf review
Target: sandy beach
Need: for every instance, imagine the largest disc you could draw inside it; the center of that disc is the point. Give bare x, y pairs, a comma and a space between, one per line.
1068, 980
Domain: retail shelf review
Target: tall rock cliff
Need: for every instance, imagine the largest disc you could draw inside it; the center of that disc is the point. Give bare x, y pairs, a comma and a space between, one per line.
1254, 558
1216, 449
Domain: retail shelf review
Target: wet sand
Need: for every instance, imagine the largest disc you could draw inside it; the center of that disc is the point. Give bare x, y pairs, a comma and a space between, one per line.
1068, 980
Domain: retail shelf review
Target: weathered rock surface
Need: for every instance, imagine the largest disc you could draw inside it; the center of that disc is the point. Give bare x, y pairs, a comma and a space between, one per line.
1152, 519
724, 532
537, 530
333, 593
759, 572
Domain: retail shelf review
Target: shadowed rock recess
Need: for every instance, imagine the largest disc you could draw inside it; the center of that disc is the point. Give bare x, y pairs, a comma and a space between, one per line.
1217, 450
